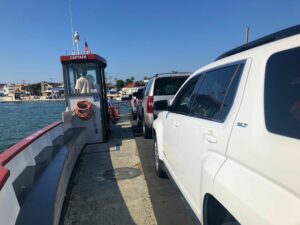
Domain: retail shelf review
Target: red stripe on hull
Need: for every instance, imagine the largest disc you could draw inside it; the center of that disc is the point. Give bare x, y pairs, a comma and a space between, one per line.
14, 150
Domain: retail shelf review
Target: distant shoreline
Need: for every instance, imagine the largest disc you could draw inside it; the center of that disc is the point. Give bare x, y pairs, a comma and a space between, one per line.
32, 101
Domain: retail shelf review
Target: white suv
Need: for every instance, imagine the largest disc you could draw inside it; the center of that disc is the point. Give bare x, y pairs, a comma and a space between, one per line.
231, 137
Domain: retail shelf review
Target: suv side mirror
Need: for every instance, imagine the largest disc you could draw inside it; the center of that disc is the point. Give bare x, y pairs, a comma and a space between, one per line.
161, 105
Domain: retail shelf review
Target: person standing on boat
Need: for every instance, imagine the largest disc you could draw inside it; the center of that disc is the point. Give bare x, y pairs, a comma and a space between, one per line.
109, 102
113, 113
84, 85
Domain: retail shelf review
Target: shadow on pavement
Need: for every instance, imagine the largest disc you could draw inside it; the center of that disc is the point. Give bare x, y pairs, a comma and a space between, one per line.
169, 208
93, 199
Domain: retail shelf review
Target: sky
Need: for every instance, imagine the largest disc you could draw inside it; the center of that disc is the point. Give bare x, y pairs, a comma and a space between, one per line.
137, 37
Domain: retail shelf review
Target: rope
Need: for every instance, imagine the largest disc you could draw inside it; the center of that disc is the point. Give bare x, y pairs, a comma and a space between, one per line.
84, 110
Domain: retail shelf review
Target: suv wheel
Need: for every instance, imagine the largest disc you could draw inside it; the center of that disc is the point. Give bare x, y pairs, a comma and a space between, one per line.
157, 162
147, 132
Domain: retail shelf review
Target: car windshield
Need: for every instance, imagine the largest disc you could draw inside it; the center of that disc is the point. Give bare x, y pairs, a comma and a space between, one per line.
168, 85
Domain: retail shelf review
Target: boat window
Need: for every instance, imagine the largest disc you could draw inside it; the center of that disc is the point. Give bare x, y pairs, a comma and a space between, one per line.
168, 85
183, 98
216, 93
282, 93
82, 79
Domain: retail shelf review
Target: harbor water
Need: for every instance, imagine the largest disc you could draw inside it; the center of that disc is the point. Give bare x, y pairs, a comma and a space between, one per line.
19, 120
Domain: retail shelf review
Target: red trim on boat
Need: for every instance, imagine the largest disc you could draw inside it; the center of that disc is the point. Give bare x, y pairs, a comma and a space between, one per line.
70, 58
4, 174
14, 150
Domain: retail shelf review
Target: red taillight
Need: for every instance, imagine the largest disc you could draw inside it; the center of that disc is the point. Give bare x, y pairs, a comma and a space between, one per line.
150, 104
134, 102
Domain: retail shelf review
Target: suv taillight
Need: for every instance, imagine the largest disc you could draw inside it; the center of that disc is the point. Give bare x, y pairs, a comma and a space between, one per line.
150, 104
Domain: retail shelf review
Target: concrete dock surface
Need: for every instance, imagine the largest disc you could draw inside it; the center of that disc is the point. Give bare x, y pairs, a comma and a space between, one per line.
114, 183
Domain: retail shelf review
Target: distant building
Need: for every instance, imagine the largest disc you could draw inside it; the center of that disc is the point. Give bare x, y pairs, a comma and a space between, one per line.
50, 89
129, 89
3, 90
6, 90
10, 90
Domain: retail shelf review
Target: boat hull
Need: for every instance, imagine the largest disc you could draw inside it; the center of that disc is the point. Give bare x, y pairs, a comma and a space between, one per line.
50, 154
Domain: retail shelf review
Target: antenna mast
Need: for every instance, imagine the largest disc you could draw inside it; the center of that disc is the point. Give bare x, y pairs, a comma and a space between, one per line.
247, 36
72, 29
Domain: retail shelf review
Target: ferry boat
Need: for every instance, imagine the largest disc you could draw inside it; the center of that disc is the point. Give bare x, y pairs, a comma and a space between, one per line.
43, 182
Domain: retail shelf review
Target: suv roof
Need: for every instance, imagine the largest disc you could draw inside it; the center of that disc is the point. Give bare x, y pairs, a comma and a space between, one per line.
264, 40
173, 73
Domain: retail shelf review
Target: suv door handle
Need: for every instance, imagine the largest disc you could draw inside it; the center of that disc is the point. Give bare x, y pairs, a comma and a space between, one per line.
210, 137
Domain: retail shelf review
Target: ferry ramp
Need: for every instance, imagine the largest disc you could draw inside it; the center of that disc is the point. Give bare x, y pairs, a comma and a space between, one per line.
114, 183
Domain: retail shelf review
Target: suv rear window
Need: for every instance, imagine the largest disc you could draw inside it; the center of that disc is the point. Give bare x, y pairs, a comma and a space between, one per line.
282, 93
168, 85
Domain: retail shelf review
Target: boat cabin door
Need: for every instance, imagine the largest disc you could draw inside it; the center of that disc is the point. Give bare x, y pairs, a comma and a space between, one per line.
85, 94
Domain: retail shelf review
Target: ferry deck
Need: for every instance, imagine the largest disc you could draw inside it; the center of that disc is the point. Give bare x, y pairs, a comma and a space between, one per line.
115, 183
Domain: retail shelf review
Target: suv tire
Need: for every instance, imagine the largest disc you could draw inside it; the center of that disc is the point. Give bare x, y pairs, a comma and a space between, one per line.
147, 132
157, 162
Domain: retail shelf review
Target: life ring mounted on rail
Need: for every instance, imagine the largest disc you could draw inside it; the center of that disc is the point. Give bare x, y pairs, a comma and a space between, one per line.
84, 110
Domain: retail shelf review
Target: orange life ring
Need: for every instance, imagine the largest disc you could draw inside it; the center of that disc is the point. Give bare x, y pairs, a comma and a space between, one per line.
84, 110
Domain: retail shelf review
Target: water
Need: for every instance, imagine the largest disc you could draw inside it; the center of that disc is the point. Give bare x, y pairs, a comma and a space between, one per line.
19, 120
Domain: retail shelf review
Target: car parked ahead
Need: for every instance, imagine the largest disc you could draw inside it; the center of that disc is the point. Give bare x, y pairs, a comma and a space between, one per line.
139, 99
134, 102
231, 137
160, 87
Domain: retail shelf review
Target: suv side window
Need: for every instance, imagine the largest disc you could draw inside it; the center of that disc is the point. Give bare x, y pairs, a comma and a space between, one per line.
183, 99
147, 90
282, 93
230, 95
216, 94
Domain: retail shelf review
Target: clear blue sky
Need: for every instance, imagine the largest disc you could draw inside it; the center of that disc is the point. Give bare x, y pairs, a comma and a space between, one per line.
137, 37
